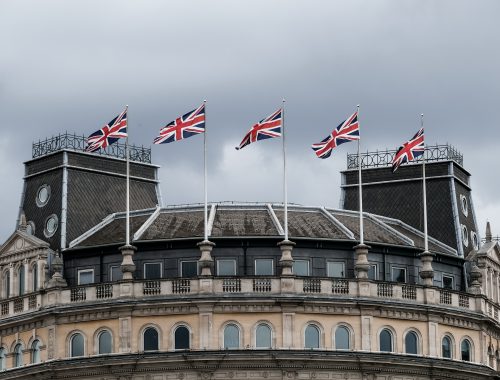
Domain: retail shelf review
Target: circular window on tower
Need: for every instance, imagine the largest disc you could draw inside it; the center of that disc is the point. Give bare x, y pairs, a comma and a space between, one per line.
475, 240
51, 225
30, 228
42, 195
465, 204
465, 236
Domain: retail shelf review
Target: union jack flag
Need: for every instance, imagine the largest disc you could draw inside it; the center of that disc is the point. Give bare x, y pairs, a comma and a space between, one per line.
410, 150
265, 129
347, 131
183, 127
109, 134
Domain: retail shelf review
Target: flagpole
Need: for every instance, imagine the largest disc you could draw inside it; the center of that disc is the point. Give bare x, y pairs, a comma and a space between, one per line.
205, 172
426, 238
127, 223
361, 226
285, 193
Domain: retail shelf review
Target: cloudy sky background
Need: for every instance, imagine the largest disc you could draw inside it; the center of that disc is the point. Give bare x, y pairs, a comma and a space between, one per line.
73, 65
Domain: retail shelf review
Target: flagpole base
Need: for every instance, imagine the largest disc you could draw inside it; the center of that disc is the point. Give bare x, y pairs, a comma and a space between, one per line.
127, 267
362, 265
206, 261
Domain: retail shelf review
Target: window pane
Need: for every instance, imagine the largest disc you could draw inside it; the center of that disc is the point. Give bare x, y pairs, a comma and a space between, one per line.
18, 352
150, 339
21, 279
152, 271
399, 274
301, 267
35, 352
85, 277
385, 341
312, 337
105, 342
189, 268
446, 347
465, 350
77, 345
263, 336
342, 338
115, 273
2, 359
372, 272
264, 267
181, 338
335, 269
447, 282
226, 267
231, 337
34, 271
411, 343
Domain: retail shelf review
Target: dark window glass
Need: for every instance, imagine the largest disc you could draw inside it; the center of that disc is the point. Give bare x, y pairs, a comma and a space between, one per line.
34, 271
372, 272
105, 343
85, 277
385, 341
465, 347
231, 336
398, 274
35, 352
342, 338
446, 347
181, 338
18, 355
115, 273
301, 267
150, 339
447, 282
21, 279
226, 267
2, 359
152, 271
411, 343
189, 268
335, 269
77, 345
312, 337
7, 284
263, 336
264, 267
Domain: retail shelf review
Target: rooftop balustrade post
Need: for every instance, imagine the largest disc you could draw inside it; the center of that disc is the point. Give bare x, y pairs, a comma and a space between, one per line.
206, 265
427, 272
286, 264
361, 267
127, 266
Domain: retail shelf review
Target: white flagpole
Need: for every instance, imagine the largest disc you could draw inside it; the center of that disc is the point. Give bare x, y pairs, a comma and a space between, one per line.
361, 226
127, 225
285, 195
426, 237
205, 172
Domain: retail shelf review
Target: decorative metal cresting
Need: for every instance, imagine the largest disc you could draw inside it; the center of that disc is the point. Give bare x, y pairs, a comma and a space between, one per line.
78, 143
384, 157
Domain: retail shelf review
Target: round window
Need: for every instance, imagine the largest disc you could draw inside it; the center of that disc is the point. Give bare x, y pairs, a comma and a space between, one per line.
30, 228
475, 240
51, 225
42, 195
464, 204
465, 236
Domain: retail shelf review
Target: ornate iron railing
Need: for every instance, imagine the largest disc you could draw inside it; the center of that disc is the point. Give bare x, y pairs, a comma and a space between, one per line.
384, 157
78, 143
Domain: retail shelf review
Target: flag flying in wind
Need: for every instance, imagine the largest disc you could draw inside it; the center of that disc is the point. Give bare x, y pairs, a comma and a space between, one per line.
410, 150
183, 127
109, 134
265, 129
347, 131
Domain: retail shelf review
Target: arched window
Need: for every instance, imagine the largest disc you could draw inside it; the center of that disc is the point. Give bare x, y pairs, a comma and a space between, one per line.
18, 355
386, 340
35, 351
150, 339
34, 277
6, 284
342, 338
411, 343
20, 276
105, 342
466, 351
76, 345
231, 336
446, 347
263, 338
2, 358
311, 337
181, 338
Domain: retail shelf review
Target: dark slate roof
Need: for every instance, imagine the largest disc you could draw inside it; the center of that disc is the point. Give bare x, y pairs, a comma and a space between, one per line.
255, 220
243, 222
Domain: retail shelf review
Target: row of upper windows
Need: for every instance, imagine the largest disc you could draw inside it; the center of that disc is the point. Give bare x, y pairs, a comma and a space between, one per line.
264, 337
17, 354
20, 281
262, 267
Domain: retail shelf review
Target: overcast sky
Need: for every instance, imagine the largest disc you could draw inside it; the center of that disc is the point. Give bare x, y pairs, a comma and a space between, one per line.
73, 65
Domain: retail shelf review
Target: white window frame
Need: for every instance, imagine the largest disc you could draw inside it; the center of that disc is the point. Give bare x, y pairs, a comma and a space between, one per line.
376, 271
111, 272
234, 267
189, 261
452, 280
80, 271
392, 274
152, 263
272, 266
465, 210
336, 262
465, 235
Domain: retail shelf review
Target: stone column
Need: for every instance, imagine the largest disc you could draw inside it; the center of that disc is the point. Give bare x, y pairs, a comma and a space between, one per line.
361, 265
427, 272
127, 266
286, 264
207, 265
476, 280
